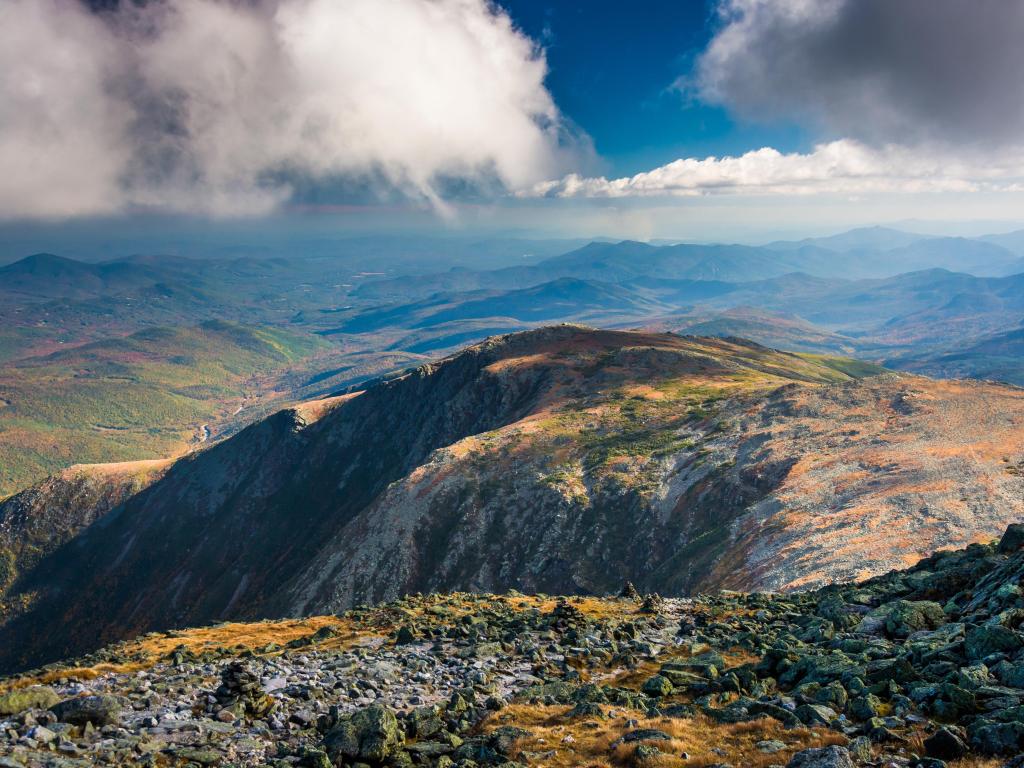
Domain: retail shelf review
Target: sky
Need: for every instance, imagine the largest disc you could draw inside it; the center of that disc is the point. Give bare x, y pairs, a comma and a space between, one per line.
738, 120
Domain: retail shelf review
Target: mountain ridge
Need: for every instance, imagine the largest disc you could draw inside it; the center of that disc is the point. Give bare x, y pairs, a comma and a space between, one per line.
678, 463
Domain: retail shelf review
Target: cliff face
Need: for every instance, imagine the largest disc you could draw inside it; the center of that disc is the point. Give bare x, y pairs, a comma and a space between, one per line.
39, 520
564, 460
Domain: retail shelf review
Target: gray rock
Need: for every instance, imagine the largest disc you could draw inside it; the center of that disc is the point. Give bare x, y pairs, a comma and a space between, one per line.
1012, 539
826, 757
370, 734
945, 744
98, 710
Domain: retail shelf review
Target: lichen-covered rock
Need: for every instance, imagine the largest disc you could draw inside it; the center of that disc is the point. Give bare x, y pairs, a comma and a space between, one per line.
983, 641
901, 618
827, 757
658, 686
34, 697
370, 735
865, 707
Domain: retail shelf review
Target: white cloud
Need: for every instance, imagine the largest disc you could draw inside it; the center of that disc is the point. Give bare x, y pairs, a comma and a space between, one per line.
220, 106
842, 167
60, 145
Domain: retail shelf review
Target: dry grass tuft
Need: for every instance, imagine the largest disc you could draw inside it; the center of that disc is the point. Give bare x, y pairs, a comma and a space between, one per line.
634, 678
560, 742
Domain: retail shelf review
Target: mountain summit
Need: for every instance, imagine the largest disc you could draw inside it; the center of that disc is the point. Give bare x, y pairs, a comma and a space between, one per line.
562, 460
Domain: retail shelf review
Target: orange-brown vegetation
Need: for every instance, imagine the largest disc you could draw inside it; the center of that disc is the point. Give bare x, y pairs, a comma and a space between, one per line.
564, 741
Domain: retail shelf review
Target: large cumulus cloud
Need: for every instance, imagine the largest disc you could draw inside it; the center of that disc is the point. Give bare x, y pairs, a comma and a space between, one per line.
227, 106
904, 71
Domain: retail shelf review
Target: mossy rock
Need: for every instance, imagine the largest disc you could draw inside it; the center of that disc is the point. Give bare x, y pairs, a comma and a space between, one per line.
36, 697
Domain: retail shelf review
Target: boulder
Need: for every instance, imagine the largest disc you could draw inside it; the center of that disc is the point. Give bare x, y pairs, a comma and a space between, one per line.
370, 735
644, 734
36, 697
503, 740
973, 677
945, 744
904, 617
645, 754
1010, 673
424, 722
997, 738
860, 749
815, 714
658, 686
991, 638
98, 710
1013, 538
405, 636
825, 757
834, 695
865, 707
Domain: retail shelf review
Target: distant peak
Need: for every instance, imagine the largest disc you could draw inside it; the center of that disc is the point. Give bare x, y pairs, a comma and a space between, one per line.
40, 259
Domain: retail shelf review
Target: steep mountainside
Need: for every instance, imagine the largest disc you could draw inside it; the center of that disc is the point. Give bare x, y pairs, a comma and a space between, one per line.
560, 460
39, 520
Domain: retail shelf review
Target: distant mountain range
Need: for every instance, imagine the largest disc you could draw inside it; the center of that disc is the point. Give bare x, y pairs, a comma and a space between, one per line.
353, 318
919, 314
866, 253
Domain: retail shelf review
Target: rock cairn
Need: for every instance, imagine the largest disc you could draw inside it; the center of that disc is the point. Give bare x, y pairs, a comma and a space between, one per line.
240, 695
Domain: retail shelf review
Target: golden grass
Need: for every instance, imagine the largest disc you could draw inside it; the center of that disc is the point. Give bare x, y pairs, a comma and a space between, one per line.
592, 607
149, 650
634, 678
566, 742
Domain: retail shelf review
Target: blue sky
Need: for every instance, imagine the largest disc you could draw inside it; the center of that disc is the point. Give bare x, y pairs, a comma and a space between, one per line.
613, 67
696, 119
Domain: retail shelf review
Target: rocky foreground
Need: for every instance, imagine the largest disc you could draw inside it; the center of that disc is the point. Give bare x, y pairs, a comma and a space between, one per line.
922, 667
